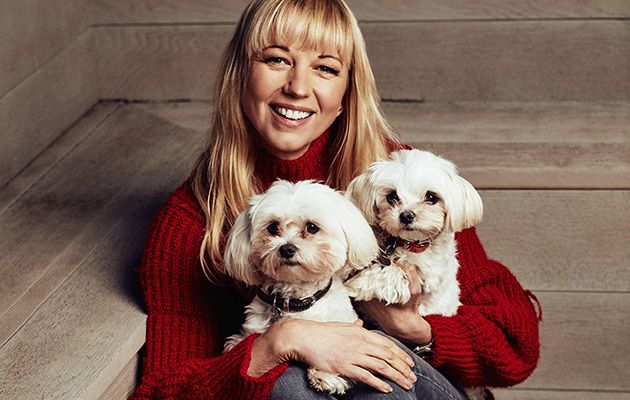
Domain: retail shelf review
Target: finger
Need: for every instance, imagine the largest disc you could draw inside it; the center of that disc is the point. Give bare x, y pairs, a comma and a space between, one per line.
362, 375
398, 368
385, 369
415, 283
358, 322
387, 349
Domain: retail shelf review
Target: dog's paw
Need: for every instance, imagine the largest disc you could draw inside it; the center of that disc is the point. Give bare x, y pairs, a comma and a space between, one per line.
327, 382
361, 287
393, 287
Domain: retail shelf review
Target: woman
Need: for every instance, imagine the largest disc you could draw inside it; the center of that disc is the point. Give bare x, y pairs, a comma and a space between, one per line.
296, 99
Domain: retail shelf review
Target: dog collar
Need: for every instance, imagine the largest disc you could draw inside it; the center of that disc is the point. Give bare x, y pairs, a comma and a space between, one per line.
290, 304
414, 247
393, 242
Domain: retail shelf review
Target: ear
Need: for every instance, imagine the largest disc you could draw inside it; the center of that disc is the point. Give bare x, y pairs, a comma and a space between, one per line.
464, 207
237, 258
362, 245
360, 192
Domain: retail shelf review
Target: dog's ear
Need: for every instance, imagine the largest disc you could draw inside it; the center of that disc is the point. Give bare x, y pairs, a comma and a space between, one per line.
362, 245
464, 207
361, 192
237, 261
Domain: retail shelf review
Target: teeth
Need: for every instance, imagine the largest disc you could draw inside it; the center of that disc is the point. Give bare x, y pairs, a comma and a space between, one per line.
292, 114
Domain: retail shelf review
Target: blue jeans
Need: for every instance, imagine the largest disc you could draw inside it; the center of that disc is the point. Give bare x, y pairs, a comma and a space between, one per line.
431, 385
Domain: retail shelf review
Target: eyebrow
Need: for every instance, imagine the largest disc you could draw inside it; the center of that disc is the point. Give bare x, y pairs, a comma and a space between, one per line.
285, 48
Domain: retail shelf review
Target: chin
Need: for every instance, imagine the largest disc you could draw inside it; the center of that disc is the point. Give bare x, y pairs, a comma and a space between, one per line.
296, 243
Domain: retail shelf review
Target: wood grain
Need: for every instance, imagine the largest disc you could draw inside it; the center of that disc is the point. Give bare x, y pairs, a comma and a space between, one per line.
33, 32
65, 212
490, 61
540, 165
553, 122
86, 321
125, 383
443, 61
197, 11
519, 394
42, 106
560, 240
504, 145
98, 223
585, 338
54, 153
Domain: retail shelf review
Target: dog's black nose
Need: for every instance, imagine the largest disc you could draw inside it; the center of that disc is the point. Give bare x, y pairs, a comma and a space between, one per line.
287, 250
407, 217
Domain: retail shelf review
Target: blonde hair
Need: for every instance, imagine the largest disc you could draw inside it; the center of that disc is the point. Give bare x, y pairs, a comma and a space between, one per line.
223, 176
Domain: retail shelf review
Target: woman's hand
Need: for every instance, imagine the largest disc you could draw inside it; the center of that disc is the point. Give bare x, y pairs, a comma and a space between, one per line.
341, 348
402, 320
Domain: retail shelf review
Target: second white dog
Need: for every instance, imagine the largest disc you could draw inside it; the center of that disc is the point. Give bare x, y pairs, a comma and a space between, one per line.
294, 242
415, 201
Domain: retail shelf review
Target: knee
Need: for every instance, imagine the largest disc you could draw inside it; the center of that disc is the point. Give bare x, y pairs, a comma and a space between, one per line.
293, 384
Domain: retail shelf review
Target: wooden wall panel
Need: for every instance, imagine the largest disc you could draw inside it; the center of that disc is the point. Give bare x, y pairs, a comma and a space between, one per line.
197, 11
560, 240
35, 112
159, 63
585, 339
552, 122
476, 61
490, 61
33, 32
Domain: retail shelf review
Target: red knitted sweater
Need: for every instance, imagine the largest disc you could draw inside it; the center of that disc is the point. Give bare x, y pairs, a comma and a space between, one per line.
492, 341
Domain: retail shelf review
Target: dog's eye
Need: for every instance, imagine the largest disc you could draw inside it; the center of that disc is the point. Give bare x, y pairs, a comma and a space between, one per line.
312, 228
392, 197
273, 228
431, 198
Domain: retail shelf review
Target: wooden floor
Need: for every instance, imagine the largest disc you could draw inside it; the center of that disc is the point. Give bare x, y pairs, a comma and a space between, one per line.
74, 222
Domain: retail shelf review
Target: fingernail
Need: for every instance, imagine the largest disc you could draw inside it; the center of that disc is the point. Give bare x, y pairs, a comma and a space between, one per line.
410, 361
388, 389
413, 377
408, 384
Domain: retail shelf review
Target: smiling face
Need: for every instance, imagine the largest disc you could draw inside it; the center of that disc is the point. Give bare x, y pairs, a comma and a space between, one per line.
292, 96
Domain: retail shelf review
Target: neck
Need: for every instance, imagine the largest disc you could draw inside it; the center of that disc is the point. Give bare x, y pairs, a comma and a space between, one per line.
313, 164
295, 290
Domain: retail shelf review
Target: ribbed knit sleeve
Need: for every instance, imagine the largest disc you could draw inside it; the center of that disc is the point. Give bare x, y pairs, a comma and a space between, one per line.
493, 340
188, 319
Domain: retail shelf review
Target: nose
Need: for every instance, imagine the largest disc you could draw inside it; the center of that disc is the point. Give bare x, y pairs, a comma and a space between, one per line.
407, 217
297, 84
288, 250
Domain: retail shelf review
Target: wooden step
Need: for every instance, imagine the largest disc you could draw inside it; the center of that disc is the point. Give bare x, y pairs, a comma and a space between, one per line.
72, 235
526, 60
78, 285
113, 12
513, 145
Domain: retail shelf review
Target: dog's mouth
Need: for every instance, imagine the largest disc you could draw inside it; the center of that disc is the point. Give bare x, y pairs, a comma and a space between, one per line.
290, 263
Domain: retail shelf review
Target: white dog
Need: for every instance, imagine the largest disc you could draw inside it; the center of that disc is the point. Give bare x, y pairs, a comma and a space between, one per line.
294, 242
415, 201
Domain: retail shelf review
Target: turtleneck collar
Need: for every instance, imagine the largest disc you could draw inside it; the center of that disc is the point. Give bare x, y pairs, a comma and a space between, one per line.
314, 164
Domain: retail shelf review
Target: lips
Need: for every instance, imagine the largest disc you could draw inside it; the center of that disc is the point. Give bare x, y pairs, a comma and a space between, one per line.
292, 113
